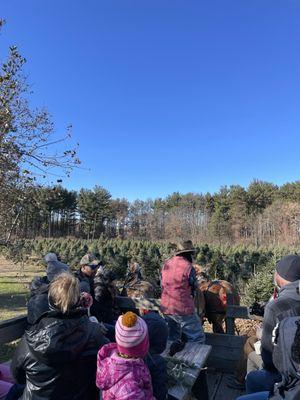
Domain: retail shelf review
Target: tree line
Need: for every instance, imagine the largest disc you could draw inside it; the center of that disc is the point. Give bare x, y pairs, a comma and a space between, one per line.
250, 270
30, 150
261, 215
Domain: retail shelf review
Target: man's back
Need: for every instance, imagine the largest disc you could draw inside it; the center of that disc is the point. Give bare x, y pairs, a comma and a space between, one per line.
286, 305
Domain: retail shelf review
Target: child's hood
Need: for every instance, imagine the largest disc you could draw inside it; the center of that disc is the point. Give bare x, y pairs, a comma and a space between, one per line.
112, 368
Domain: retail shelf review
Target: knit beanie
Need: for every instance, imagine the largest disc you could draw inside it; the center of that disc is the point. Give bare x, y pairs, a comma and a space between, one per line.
289, 268
132, 335
55, 268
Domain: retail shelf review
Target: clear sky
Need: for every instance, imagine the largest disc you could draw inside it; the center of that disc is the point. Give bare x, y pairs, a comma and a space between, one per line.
167, 95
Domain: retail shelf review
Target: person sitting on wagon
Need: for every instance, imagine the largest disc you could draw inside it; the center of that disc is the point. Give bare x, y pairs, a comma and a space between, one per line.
39, 287
105, 295
179, 285
86, 273
158, 336
56, 358
121, 370
286, 358
287, 279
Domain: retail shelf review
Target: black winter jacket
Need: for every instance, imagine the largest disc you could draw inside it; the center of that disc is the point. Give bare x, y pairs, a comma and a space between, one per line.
158, 336
56, 358
103, 307
86, 283
38, 301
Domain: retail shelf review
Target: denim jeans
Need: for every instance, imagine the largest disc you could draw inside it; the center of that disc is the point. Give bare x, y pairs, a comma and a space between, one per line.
255, 396
261, 381
190, 325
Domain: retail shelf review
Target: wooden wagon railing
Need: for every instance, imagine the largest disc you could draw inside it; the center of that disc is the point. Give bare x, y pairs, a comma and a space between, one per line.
226, 348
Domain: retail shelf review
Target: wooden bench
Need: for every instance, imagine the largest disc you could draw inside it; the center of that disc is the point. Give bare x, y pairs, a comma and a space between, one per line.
223, 351
12, 329
193, 355
234, 312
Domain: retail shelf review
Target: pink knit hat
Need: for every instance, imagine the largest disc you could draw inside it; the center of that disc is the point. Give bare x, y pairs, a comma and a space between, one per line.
132, 335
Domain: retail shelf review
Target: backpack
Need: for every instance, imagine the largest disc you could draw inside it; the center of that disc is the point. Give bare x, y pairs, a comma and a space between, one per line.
286, 358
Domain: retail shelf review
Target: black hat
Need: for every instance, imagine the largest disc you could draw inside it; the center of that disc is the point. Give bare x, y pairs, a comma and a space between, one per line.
289, 268
185, 247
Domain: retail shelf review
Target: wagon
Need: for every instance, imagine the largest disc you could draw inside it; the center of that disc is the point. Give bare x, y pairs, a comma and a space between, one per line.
212, 363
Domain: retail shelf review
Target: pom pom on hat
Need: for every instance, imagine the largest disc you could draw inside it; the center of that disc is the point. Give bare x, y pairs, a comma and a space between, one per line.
132, 335
129, 319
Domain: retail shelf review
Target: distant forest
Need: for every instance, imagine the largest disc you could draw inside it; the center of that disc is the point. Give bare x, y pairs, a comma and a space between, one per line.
261, 215
30, 150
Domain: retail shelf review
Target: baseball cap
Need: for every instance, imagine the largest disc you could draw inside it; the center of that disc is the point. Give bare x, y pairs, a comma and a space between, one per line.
90, 260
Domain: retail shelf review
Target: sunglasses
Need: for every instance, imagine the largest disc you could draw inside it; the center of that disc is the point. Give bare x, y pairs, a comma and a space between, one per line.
93, 266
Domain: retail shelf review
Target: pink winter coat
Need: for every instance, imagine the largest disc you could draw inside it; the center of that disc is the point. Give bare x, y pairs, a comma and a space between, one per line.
121, 378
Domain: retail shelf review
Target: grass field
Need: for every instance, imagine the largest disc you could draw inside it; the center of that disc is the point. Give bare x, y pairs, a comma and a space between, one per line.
14, 283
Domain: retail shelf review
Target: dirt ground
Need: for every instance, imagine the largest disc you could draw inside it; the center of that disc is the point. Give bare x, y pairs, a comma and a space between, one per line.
243, 327
14, 288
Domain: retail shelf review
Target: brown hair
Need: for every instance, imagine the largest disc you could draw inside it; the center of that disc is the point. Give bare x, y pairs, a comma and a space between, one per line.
64, 292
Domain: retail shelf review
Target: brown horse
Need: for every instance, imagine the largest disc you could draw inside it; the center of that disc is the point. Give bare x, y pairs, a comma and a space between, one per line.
135, 286
215, 298
139, 289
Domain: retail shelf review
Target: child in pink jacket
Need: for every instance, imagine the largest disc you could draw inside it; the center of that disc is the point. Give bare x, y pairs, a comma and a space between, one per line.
121, 371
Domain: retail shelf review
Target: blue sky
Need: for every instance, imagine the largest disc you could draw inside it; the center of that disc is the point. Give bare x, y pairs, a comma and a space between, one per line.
167, 95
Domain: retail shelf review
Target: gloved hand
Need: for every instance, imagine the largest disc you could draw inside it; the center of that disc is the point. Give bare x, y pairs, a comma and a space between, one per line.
86, 300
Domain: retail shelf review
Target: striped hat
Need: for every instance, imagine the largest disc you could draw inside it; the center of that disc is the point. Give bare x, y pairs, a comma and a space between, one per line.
132, 335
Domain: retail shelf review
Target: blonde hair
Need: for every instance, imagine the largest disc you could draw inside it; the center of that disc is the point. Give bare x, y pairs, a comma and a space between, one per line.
64, 292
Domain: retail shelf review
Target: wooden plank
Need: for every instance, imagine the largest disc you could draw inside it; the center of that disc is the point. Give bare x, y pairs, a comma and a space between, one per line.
213, 383
180, 392
226, 393
233, 312
229, 324
193, 354
226, 351
237, 312
218, 389
228, 341
241, 312
12, 329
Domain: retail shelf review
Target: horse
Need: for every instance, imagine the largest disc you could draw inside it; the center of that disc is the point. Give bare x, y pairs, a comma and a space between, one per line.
135, 286
139, 289
215, 298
